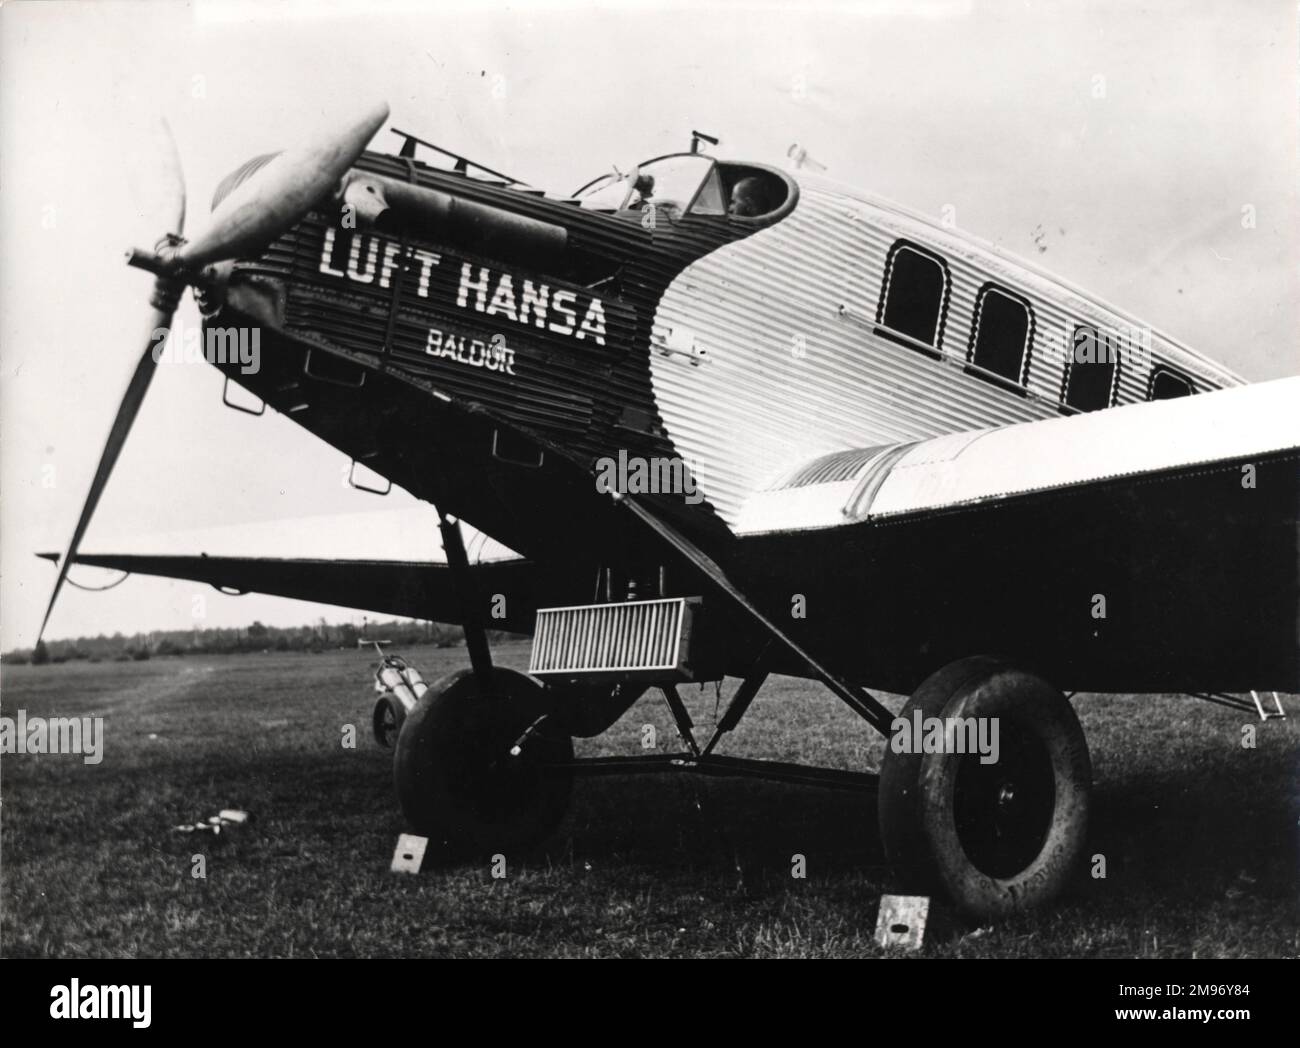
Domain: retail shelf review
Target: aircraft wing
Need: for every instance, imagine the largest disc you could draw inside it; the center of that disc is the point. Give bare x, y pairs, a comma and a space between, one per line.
1240, 426
1150, 547
412, 589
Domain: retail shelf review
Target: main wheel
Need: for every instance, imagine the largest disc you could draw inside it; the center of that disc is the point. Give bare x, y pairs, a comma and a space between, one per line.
999, 836
457, 780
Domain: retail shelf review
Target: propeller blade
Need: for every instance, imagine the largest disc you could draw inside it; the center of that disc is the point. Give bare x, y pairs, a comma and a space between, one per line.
126, 413
140, 378
258, 210
280, 194
172, 173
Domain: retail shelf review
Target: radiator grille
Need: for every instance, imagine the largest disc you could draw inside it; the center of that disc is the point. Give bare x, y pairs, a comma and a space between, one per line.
645, 636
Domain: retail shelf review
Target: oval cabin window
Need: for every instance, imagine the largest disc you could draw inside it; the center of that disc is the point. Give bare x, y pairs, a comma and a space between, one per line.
1167, 384
1091, 369
1000, 342
913, 300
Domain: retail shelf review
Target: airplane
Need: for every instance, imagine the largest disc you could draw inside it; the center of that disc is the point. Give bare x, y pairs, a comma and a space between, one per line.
737, 421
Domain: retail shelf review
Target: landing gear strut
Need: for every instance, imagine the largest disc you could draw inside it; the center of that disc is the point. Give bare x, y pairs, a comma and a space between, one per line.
476, 642
996, 837
485, 759
479, 761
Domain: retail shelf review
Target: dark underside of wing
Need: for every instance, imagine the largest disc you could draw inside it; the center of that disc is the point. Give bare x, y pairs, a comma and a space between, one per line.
403, 588
1154, 547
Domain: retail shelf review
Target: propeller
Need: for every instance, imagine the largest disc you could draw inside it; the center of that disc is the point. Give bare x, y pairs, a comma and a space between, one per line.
275, 198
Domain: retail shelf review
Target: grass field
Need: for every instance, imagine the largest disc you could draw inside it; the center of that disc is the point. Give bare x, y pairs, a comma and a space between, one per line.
1199, 833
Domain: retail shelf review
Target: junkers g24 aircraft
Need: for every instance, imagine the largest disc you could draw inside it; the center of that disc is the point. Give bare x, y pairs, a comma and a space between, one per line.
740, 422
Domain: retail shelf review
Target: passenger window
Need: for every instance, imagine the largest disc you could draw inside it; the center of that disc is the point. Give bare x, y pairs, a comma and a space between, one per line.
914, 297
1167, 384
1002, 334
1090, 372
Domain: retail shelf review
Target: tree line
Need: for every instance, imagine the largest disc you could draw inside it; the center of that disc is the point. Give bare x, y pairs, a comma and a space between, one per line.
322, 636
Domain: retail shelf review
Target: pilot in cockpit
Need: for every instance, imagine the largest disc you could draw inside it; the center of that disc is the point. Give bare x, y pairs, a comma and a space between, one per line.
643, 188
749, 198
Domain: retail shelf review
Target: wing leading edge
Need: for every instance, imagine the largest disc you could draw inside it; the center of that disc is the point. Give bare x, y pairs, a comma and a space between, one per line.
1168, 437
404, 588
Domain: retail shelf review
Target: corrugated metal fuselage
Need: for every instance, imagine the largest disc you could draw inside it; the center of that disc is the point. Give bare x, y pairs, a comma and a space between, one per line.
491, 388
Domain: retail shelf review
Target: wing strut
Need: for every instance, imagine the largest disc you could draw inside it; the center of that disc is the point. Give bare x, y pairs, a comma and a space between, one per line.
860, 701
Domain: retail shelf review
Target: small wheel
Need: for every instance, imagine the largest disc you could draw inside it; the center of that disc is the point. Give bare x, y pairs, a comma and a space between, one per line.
387, 721
995, 837
457, 781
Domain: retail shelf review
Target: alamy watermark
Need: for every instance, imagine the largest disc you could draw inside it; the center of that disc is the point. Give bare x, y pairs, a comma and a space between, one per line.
55, 735
185, 344
75, 1001
634, 475
1099, 344
921, 734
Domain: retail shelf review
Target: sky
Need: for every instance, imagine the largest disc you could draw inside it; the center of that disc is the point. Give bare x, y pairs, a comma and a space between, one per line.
1147, 153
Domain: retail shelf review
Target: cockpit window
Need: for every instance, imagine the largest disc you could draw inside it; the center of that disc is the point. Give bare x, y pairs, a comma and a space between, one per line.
670, 182
753, 192
712, 198
690, 183
605, 193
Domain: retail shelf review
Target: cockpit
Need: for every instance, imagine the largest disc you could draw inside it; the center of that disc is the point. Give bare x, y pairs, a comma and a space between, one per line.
693, 184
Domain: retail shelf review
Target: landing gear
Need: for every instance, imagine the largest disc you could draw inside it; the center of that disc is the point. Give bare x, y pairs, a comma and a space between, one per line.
481, 763
482, 768
486, 756
995, 837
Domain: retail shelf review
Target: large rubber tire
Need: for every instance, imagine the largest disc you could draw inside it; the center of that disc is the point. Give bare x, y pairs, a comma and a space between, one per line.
458, 783
995, 838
